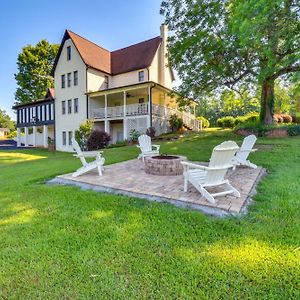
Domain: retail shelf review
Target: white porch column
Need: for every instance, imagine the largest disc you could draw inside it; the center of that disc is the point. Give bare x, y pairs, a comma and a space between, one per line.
34, 136
18, 137
45, 136
124, 118
26, 136
107, 126
105, 106
149, 108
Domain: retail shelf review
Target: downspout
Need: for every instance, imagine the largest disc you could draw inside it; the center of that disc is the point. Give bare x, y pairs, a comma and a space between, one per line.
87, 97
54, 124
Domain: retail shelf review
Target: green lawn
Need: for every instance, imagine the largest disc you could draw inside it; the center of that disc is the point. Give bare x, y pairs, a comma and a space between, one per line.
58, 242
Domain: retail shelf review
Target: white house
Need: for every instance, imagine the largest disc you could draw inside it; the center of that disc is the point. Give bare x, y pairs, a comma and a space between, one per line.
121, 90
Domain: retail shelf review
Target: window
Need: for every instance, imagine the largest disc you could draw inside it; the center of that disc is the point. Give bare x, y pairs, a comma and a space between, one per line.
70, 137
63, 81
75, 77
106, 81
69, 79
64, 138
63, 107
76, 105
69, 106
69, 53
141, 76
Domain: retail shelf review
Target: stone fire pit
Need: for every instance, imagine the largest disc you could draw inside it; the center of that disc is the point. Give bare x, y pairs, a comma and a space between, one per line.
164, 165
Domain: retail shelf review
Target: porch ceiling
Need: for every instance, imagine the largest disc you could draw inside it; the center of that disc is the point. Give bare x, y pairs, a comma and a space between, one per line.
120, 89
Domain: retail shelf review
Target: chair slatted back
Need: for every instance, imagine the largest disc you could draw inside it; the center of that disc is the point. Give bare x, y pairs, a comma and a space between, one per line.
145, 143
246, 147
78, 150
221, 160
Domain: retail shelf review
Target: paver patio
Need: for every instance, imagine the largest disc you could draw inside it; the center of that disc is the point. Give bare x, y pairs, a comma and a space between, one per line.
129, 178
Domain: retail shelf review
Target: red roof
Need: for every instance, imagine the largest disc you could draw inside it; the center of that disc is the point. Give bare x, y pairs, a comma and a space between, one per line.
50, 93
134, 57
92, 54
131, 58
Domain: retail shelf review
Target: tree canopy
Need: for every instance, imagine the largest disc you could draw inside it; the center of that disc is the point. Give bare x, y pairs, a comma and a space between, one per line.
5, 121
34, 67
229, 43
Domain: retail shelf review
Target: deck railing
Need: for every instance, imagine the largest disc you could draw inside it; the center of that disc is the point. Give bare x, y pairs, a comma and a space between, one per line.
118, 111
142, 109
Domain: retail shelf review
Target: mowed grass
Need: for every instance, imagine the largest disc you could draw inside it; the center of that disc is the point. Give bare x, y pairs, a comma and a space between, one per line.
59, 242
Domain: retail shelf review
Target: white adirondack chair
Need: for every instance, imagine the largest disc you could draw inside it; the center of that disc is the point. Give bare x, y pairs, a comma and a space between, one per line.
87, 166
242, 154
202, 177
146, 147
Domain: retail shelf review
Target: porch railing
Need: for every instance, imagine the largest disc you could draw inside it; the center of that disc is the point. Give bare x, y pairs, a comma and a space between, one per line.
142, 109
188, 119
118, 111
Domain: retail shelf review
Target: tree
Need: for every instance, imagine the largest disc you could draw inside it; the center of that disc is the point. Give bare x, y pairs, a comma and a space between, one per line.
34, 67
5, 121
227, 43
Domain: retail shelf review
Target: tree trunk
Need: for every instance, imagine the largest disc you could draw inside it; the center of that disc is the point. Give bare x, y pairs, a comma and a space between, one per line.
267, 101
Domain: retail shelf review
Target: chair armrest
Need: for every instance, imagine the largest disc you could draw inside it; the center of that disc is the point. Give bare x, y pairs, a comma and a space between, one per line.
250, 150
192, 165
156, 146
195, 166
91, 153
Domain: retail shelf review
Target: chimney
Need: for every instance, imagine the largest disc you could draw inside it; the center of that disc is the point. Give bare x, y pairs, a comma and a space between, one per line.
163, 58
164, 32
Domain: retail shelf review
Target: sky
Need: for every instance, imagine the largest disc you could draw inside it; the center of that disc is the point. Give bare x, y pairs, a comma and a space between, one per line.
112, 24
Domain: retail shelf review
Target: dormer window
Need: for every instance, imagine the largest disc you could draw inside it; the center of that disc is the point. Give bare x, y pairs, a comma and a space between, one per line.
141, 76
106, 82
69, 53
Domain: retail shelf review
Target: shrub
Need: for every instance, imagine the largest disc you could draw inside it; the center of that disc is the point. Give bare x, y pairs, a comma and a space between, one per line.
175, 122
293, 130
226, 122
151, 132
12, 134
205, 122
252, 117
240, 120
98, 140
296, 118
256, 128
134, 135
83, 132
286, 118
278, 118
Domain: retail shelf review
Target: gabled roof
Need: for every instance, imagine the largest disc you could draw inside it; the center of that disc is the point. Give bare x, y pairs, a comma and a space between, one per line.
50, 93
92, 55
49, 97
131, 58
138, 56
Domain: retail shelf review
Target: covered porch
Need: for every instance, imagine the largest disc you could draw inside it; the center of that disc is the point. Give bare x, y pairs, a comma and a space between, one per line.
35, 136
118, 111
